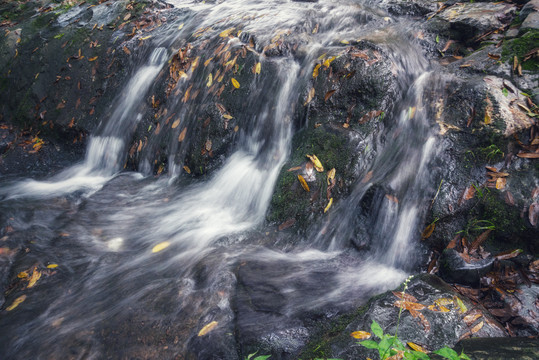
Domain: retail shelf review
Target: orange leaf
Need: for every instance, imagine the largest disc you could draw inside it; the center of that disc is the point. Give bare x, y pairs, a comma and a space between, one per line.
207, 328
182, 134
428, 231
528, 155
329, 94
408, 305
34, 278
477, 327
175, 123
93, 58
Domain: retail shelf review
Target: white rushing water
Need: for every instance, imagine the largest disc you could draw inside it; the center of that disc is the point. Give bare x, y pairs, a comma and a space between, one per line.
107, 236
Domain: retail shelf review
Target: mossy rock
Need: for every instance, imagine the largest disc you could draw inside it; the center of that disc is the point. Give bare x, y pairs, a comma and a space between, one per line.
519, 47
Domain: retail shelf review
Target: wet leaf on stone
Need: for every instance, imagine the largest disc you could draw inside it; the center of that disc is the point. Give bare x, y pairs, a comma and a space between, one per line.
480, 240
528, 155
329, 94
36, 275
235, 83
392, 198
500, 183
22, 275
210, 80
317, 164
315, 71
186, 168
207, 328
463, 309
295, 168
360, 335
182, 134
408, 305
328, 205
175, 123
161, 246
310, 96
16, 302
508, 254
226, 32
228, 116
303, 183
331, 175
469, 193
258, 68
328, 61
404, 296
470, 318
417, 347
428, 231
52, 266
477, 327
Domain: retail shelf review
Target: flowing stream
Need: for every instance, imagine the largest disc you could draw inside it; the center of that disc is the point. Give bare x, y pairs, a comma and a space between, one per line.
111, 297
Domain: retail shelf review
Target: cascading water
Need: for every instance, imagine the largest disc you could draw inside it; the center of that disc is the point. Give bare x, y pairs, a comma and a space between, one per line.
111, 281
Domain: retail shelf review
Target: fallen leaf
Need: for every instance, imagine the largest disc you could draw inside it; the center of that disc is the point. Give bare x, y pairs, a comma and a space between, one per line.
210, 80
52, 266
161, 246
186, 168
367, 177
317, 164
303, 183
36, 275
404, 296
408, 305
288, 223
470, 318
235, 83
310, 96
16, 302
315, 71
462, 308
175, 123
331, 175
528, 155
208, 145
417, 347
126, 50
508, 254
500, 183
392, 198
477, 327
480, 240
93, 58
469, 193
428, 231
226, 32
328, 61
360, 335
207, 328
329, 94
258, 68
328, 205
182, 134
294, 168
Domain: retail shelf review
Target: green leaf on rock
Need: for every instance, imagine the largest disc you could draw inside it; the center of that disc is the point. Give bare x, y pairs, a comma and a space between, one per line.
448, 353
370, 344
376, 329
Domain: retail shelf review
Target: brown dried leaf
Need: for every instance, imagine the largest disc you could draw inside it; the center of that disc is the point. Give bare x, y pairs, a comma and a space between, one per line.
508, 254
392, 198
208, 145
295, 168
428, 231
404, 296
182, 134
477, 327
528, 155
533, 214
329, 94
470, 318
288, 223
408, 305
480, 240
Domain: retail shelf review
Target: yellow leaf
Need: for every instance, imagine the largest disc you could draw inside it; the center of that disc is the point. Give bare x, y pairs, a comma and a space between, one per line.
160, 246
258, 68
22, 275
315, 71
210, 80
175, 123
34, 278
182, 134
310, 96
303, 183
236, 128
186, 168
226, 32
180, 27
145, 37
331, 175
207, 328
207, 62
478, 327
443, 301
328, 61
428, 231
346, 42
443, 309
52, 266
328, 205
360, 335
235, 83
461, 305
16, 302
317, 164
500, 183
488, 117
417, 347
92, 58
228, 116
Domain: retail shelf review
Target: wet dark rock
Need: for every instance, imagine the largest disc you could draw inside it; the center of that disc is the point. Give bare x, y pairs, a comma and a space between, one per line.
455, 269
437, 329
499, 348
412, 8
468, 21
